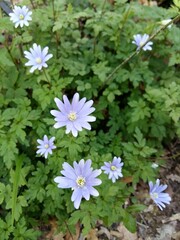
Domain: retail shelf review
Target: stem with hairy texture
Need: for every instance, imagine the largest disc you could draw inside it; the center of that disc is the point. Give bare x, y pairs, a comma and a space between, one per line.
137, 51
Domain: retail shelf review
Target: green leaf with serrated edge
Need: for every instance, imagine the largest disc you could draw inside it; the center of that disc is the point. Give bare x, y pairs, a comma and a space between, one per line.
129, 222
136, 208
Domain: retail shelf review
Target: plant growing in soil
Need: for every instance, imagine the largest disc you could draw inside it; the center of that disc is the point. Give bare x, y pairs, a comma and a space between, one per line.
125, 106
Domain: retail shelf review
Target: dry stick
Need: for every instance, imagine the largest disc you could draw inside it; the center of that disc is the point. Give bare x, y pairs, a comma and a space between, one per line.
137, 51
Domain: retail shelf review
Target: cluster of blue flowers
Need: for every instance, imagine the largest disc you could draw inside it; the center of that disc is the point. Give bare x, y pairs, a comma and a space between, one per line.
75, 116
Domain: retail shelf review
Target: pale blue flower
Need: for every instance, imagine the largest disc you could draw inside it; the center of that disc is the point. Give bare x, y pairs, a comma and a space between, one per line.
113, 169
154, 165
139, 40
37, 57
20, 16
75, 115
157, 195
46, 146
80, 179
166, 21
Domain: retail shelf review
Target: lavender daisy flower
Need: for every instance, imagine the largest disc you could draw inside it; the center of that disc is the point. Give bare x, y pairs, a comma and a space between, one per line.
157, 195
114, 168
37, 57
20, 16
139, 40
46, 146
81, 179
75, 115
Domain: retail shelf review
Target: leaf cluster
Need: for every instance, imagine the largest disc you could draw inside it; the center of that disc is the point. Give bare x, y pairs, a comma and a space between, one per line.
137, 111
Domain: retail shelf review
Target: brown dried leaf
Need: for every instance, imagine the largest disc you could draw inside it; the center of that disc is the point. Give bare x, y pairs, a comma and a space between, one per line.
172, 218
59, 236
148, 3
176, 236
174, 177
126, 234
69, 235
92, 235
166, 231
117, 234
127, 179
53, 224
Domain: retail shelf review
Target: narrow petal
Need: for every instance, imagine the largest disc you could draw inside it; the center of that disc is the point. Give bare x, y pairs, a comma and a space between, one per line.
61, 106
93, 191
63, 182
76, 197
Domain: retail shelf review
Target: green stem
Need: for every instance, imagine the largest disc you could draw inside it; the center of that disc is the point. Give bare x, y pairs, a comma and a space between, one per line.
33, 6
46, 76
15, 186
137, 51
3, 69
53, 8
20, 33
56, 34
166, 157
104, 3
69, 230
95, 39
9, 51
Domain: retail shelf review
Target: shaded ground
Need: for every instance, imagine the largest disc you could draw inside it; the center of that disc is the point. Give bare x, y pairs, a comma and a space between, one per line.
154, 224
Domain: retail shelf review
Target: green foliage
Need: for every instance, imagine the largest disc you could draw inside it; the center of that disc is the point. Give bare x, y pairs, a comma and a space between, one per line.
137, 109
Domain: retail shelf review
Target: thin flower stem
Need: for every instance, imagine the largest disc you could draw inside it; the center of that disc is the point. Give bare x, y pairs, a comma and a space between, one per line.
9, 51
33, 6
15, 186
69, 230
95, 39
44, 1
20, 33
166, 157
102, 11
56, 34
3, 69
46, 76
21, 50
53, 8
136, 52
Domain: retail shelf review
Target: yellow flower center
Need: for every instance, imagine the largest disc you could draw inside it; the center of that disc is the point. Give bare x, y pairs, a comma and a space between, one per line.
72, 116
141, 43
46, 146
80, 181
154, 195
113, 168
38, 60
21, 17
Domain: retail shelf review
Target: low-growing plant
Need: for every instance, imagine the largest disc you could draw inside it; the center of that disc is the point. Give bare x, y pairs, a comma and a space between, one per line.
122, 56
